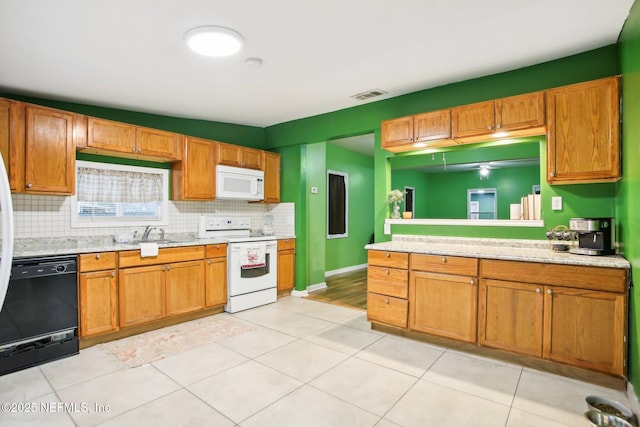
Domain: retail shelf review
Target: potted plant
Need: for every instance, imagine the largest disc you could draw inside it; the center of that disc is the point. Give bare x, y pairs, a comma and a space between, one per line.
395, 196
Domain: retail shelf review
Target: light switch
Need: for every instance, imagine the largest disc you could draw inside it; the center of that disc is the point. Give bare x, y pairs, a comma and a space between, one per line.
556, 203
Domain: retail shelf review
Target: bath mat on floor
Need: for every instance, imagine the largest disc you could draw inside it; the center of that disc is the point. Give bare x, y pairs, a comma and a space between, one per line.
155, 345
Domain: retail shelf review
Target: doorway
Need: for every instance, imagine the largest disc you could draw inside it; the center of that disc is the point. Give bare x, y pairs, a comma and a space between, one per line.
482, 203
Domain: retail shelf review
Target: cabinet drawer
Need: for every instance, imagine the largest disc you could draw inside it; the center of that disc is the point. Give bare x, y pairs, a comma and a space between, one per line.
386, 309
97, 261
216, 251
284, 244
572, 276
445, 264
388, 281
165, 255
389, 259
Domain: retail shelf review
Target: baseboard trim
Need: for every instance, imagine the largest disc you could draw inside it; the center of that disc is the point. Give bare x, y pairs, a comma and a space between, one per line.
632, 397
317, 287
310, 288
345, 270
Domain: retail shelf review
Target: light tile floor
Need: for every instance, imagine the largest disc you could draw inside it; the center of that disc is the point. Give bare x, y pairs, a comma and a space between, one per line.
301, 363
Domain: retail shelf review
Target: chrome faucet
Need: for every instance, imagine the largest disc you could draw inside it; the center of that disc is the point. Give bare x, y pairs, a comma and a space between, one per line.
145, 235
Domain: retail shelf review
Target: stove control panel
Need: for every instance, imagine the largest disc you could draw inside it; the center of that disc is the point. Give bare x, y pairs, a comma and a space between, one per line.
210, 226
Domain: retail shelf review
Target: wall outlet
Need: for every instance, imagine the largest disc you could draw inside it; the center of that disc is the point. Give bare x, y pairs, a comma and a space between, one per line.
314, 190
556, 203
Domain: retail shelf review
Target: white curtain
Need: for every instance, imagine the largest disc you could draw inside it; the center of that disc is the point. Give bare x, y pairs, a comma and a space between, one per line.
100, 185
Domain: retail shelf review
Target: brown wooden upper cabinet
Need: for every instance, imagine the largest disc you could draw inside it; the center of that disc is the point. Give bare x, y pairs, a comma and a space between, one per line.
146, 143
271, 177
520, 115
49, 151
194, 178
432, 129
583, 132
238, 156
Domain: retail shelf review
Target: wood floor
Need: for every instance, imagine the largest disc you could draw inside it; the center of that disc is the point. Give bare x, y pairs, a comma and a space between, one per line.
349, 290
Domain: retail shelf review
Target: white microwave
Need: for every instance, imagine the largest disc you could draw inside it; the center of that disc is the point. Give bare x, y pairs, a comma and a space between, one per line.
239, 183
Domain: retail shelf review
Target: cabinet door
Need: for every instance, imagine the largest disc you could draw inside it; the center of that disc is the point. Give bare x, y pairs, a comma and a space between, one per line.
184, 287
5, 126
216, 282
251, 158
510, 316
141, 295
432, 126
229, 155
286, 269
157, 143
199, 170
585, 329
271, 177
98, 303
583, 132
113, 136
50, 155
397, 132
520, 112
473, 119
443, 305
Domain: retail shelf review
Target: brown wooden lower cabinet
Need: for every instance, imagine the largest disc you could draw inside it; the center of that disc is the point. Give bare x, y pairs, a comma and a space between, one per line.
387, 309
510, 316
98, 293
216, 275
142, 295
286, 264
184, 284
585, 328
570, 314
443, 305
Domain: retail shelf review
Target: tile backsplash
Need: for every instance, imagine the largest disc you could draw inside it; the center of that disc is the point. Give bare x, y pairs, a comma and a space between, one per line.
50, 216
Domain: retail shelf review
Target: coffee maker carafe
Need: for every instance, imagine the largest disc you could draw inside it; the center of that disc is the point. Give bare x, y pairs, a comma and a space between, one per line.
595, 236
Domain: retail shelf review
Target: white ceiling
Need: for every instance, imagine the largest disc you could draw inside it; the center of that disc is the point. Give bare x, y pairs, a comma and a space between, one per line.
130, 53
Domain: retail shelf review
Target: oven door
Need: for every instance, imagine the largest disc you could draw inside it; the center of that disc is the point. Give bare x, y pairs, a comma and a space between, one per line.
246, 280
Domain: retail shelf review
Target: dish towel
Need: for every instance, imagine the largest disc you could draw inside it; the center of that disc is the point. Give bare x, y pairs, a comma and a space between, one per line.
148, 249
253, 256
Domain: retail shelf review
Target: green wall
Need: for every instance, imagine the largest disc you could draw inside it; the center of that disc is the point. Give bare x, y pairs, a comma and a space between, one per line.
628, 206
600, 198
417, 180
349, 251
447, 194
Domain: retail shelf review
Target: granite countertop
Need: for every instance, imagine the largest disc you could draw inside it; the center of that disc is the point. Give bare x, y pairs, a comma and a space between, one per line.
77, 245
504, 249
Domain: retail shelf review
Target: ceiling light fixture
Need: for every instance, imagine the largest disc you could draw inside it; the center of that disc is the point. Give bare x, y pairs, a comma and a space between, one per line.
484, 170
214, 41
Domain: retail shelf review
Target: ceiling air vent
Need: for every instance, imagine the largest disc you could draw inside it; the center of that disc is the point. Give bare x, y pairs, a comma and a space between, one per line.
368, 94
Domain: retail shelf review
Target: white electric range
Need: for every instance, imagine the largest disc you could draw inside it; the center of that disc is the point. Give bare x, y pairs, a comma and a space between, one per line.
252, 261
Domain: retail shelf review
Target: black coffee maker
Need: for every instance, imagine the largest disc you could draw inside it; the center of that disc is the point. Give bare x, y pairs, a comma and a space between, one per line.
596, 236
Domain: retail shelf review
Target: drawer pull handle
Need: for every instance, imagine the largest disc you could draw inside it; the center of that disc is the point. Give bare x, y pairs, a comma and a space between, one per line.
538, 290
113, 274
209, 261
387, 271
549, 291
97, 256
386, 300
164, 268
472, 282
388, 255
444, 259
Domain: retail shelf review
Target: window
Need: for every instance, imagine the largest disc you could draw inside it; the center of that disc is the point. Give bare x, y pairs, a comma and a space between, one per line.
111, 195
337, 204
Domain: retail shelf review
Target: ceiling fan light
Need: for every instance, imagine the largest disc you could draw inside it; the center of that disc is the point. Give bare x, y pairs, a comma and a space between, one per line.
214, 41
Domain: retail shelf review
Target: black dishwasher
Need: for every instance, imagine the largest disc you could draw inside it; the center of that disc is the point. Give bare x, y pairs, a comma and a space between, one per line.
39, 319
